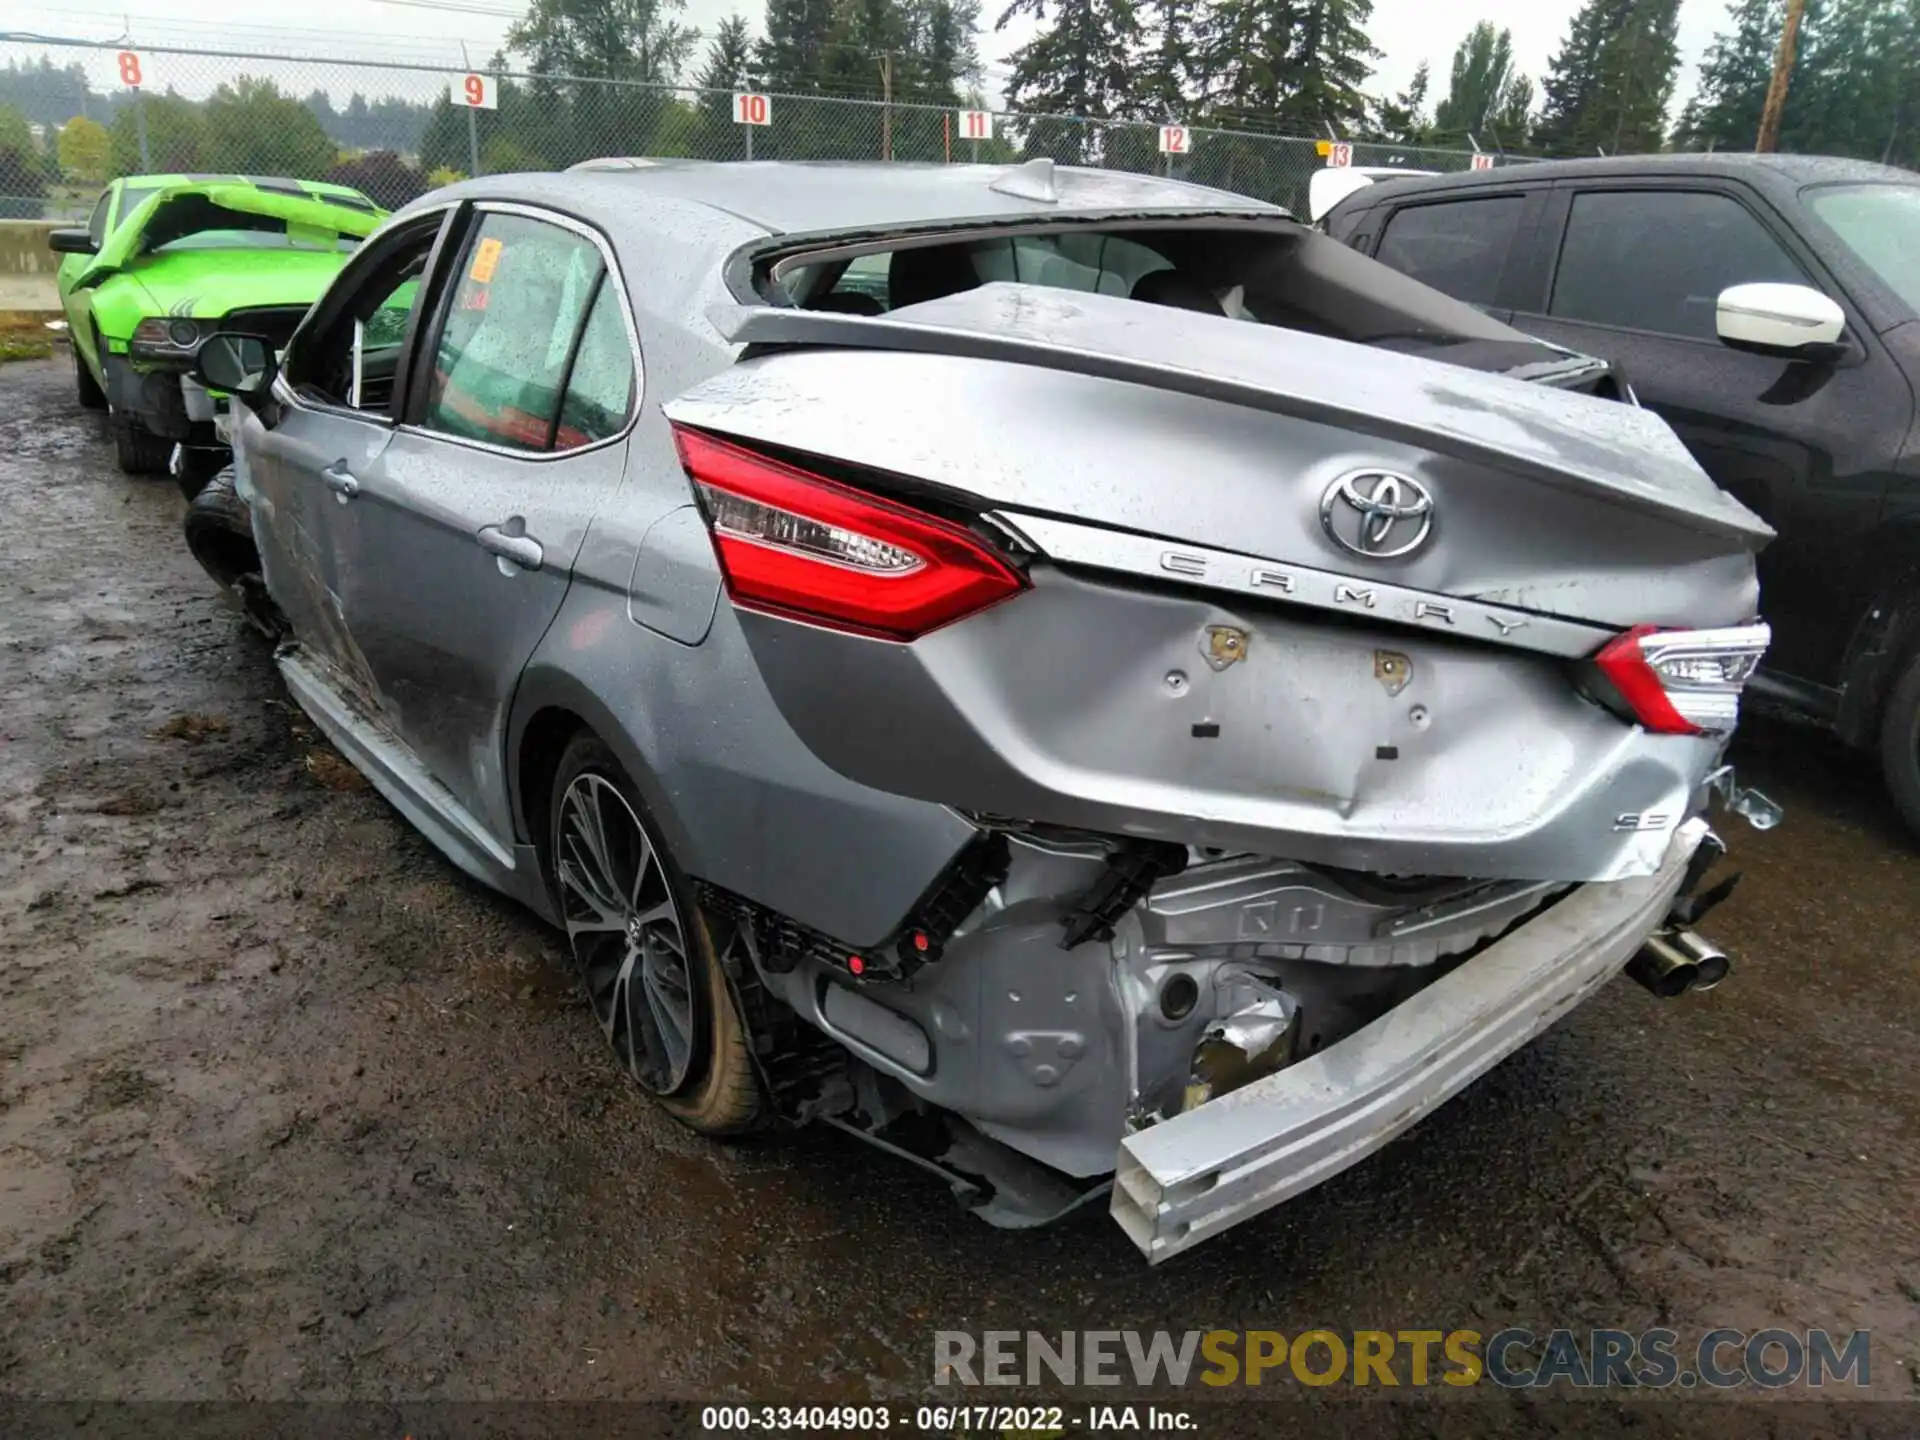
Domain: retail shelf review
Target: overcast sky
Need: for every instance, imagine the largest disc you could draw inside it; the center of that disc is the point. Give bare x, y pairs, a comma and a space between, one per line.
1407, 31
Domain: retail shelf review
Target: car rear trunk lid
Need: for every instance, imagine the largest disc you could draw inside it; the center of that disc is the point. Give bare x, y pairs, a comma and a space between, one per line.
1149, 676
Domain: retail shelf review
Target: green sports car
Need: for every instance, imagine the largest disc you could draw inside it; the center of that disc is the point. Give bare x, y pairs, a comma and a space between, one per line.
166, 259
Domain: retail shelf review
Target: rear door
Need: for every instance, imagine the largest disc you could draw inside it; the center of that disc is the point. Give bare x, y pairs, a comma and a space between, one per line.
1631, 271
522, 392
1462, 244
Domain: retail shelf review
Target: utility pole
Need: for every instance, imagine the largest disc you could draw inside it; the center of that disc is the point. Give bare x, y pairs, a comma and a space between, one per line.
886, 105
1782, 72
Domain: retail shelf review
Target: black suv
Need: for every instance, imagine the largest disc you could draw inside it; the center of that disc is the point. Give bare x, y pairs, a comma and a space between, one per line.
1811, 425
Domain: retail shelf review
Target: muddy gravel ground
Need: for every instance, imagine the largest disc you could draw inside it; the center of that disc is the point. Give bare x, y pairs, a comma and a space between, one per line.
291, 1111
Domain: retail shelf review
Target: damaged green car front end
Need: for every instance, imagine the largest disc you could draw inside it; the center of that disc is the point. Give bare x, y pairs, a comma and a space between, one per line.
169, 259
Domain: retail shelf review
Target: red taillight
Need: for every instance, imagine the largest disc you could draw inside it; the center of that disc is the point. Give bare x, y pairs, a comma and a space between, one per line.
799, 545
1683, 682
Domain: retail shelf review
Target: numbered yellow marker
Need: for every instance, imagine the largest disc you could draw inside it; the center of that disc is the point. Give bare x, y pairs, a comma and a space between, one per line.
486, 259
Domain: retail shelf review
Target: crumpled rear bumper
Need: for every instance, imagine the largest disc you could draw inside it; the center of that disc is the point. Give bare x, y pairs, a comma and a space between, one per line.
1184, 1180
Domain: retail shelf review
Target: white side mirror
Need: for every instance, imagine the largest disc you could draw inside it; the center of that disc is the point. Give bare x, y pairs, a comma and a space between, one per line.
1788, 320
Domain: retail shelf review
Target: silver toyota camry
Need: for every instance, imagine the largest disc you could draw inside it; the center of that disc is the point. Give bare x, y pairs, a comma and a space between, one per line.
1072, 677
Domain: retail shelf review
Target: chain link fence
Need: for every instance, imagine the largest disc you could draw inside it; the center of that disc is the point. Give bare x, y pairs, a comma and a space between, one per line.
93, 112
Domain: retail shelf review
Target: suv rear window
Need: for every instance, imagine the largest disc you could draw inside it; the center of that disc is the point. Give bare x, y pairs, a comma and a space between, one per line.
1460, 246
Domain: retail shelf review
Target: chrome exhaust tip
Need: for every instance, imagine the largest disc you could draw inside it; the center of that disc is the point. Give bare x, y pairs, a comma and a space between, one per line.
1709, 960
1676, 961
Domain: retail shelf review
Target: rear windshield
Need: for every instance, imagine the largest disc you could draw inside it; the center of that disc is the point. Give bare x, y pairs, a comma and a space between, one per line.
1279, 274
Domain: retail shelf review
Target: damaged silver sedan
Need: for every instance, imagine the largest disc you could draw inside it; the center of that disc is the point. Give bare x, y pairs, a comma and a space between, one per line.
1071, 677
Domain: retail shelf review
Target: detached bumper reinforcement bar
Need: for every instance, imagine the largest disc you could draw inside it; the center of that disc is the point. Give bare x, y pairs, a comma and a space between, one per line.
1179, 1182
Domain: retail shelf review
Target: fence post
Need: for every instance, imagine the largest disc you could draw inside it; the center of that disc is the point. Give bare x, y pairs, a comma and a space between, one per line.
473, 125
140, 127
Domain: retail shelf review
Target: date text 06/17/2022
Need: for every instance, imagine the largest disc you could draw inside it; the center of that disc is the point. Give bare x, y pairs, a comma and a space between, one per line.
944, 1419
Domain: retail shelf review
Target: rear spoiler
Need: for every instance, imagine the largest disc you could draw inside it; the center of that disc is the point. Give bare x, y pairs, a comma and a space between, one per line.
1492, 419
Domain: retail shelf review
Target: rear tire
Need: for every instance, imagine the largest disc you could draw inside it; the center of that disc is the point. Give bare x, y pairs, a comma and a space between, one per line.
1900, 743
642, 948
136, 449
219, 531
85, 388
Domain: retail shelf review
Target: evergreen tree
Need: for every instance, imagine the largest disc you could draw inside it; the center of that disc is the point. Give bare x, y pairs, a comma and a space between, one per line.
945, 59
1858, 92
49, 96
639, 42
253, 128
23, 171
1724, 112
1244, 51
799, 36
1608, 87
728, 68
1403, 119
443, 144
729, 63
1080, 65
1481, 85
1510, 124
1330, 64
868, 34
1294, 65
1637, 68
1169, 77
1572, 74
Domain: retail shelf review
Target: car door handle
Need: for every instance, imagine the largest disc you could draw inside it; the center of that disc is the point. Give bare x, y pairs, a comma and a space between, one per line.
341, 481
522, 549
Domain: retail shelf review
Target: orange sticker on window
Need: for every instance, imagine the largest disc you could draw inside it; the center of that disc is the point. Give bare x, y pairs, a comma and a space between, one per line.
486, 259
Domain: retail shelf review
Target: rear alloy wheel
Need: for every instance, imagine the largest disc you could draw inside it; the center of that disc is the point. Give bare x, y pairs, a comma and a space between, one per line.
642, 949
1900, 743
85, 388
136, 449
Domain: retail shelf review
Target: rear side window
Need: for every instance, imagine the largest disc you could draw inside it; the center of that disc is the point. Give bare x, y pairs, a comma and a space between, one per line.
1459, 247
600, 391
502, 358
1658, 259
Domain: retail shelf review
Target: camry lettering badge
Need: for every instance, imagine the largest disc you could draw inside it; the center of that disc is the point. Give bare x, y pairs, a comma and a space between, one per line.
1377, 514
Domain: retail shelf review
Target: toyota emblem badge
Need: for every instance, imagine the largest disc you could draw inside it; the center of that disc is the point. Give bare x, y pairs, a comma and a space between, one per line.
1377, 514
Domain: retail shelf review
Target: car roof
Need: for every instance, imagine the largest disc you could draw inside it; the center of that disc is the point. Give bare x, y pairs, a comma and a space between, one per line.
795, 197
1771, 172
